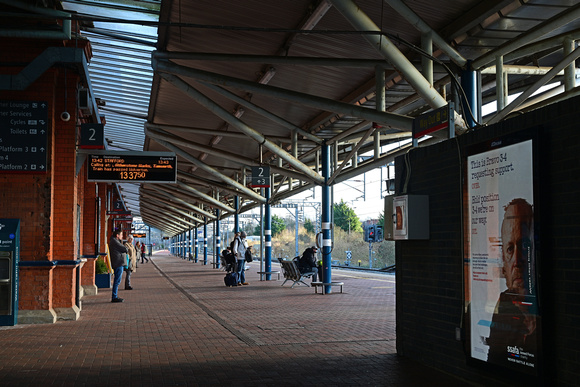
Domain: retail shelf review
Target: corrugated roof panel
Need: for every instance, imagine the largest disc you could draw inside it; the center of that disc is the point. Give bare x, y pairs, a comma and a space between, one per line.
120, 69
475, 27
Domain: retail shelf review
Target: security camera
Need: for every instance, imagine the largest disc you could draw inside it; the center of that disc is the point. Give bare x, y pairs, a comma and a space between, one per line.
65, 116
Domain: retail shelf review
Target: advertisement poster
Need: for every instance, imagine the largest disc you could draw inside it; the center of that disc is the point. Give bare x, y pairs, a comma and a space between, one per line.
502, 264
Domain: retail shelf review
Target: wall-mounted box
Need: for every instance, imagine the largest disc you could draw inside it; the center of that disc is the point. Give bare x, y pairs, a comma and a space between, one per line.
409, 217
85, 103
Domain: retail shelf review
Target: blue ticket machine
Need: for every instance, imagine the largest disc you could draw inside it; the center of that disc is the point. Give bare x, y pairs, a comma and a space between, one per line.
9, 257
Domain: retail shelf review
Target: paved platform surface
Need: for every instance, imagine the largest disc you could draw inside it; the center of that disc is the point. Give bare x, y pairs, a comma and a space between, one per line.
180, 326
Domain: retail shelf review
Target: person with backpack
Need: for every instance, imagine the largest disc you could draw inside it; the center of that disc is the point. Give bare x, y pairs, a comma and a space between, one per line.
240, 247
229, 260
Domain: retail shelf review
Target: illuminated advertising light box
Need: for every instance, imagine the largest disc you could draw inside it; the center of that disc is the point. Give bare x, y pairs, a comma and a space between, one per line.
122, 167
501, 239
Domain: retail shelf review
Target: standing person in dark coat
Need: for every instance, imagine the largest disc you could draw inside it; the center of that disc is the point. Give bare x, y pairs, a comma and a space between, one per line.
117, 252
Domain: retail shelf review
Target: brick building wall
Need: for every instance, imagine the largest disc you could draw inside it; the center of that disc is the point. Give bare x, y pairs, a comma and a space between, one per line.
47, 204
28, 197
430, 273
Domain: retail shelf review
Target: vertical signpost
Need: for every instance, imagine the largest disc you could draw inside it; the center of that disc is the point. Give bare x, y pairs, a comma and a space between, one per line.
261, 178
9, 258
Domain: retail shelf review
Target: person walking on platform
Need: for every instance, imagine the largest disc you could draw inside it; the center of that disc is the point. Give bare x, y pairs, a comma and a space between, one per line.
143, 253
240, 247
140, 252
132, 262
117, 253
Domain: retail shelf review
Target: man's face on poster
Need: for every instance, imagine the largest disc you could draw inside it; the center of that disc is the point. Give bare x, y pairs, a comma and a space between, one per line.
517, 237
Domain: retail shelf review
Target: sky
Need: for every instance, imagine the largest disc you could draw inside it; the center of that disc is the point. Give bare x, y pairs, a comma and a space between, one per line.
364, 194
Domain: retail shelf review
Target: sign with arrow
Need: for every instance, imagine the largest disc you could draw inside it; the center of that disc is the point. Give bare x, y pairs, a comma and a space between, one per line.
24, 137
260, 176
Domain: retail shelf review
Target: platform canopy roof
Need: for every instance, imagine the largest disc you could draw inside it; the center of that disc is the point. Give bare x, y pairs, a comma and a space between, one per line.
242, 84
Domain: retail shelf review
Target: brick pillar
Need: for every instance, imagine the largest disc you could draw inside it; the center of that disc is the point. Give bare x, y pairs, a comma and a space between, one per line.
35, 304
89, 249
64, 202
105, 229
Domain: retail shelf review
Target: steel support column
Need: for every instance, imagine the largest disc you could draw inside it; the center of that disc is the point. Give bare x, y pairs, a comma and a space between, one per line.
205, 241
570, 70
237, 214
196, 244
190, 247
326, 224
297, 234
218, 250
175, 244
181, 244
427, 63
181, 234
267, 234
184, 245
501, 91
469, 85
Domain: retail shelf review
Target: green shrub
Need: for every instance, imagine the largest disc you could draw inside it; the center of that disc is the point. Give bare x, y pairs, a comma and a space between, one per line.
100, 266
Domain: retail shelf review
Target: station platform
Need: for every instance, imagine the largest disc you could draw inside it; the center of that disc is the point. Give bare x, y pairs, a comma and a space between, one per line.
181, 326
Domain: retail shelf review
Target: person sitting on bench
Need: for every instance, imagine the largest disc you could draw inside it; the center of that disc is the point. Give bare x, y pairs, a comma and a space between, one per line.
307, 262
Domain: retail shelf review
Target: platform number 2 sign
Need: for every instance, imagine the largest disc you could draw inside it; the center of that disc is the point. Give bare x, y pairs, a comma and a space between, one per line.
261, 176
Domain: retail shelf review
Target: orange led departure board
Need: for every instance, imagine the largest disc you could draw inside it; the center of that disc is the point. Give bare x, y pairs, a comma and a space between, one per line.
119, 167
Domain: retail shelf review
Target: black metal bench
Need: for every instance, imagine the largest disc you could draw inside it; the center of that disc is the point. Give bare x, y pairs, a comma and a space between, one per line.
263, 273
291, 273
323, 285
